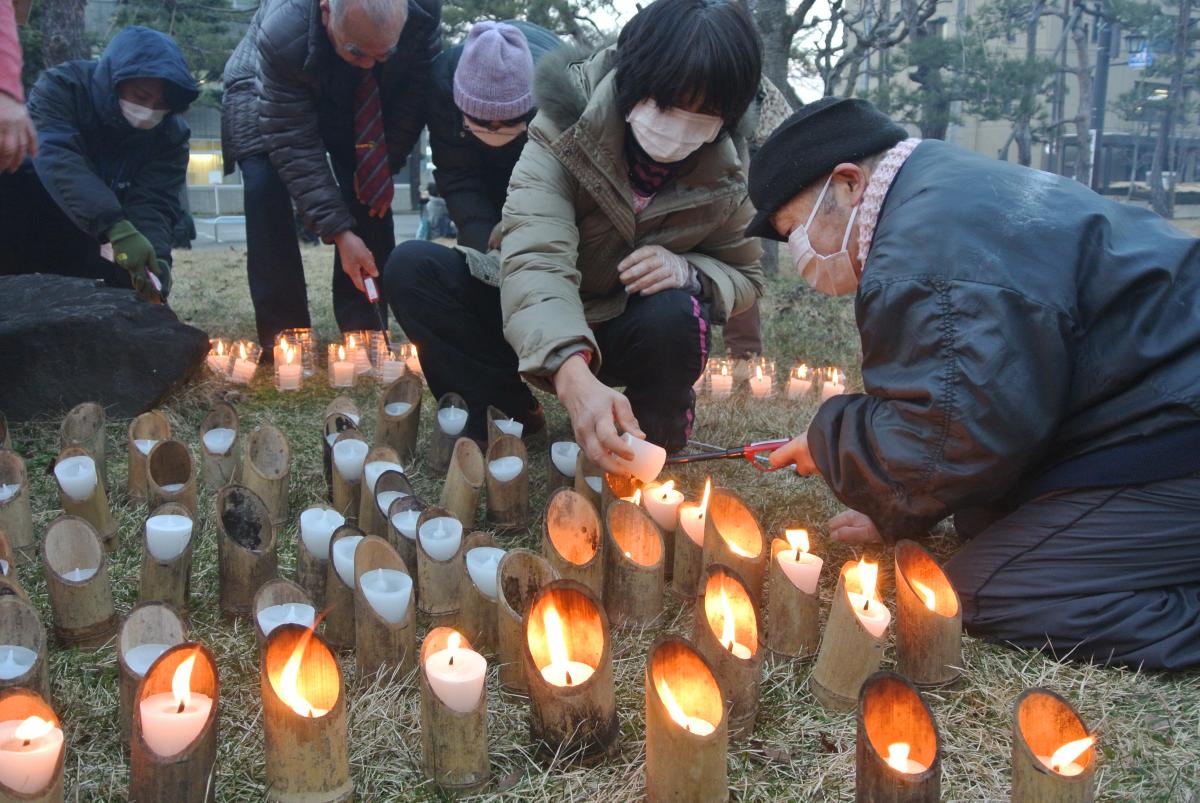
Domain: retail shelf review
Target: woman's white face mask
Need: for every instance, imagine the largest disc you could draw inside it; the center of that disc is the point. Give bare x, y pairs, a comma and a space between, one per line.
142, 117
495, 137
671, 135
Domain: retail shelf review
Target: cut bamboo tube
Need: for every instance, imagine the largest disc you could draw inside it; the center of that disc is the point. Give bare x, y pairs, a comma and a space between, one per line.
892, 712
521, 575
441, 445
84, 427
557, 478
151, 426
345, 406
793, 616
19, 704
688, 566
334, 426
734, 652
464, 480
405, 546
616, 487
394, 482
589, 479
8, 563
5, 434
633, 570
849, 653
477, 619
9, 587
167, 581
454, 744
147, 623
580, 718
1042, 723
383, 649
312, 569
246, 548
400, 431
508, 501
171, 465
20, 626
83, 608
439, 581
188, 776
266, 468
16, 515
571, 539
493, 415
94, 509
685, 761
347, 491
220, 469
369, 519
339, 597
307, 756
928, 619
734, 538
277, 592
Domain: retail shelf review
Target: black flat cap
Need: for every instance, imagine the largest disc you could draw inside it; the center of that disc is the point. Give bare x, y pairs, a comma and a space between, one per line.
807, 146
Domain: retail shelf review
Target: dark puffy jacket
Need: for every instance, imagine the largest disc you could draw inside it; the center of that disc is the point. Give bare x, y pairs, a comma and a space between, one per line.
288, 94
1011, 321
97, 167
471, 176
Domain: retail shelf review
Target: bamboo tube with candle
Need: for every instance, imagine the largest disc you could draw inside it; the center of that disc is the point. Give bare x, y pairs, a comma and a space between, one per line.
334, 426
144, 432
304, 719
167, 546
378, 460
1053, 754
564, 457
439, 563
454, 735
9, 587
400, 416
384, 612
82, 494
500, 423
477, 619
78, 585
520, 575
171, 476
572, 540
220, 447
173, 749
149, 630
633, 566
928, 619
793, 604
349, 455
589, 480
7, 561
5, 435
464, 481
687, 733
688, 565
403, 516
726, 632
246, 549
508, 492
898, 754
390, 486
317, 526
33, 773
266, 468
84, 426
734, 538
281, 602
448, 426
855, 633
22, 645
16, 515
618, 486
339, 587
345, 407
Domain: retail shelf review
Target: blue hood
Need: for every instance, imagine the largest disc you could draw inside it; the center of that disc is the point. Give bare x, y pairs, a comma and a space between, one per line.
138, 52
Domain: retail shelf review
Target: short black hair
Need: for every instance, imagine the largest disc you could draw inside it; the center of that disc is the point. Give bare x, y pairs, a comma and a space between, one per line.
676, 51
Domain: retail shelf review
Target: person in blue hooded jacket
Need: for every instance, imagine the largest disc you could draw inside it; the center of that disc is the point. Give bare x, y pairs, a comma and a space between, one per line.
110, 169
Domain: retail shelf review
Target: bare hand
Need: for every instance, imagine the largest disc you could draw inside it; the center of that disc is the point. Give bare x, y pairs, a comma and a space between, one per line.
494, 237
852, 527
652, 268
357, 259
596, 411
18, 138
795, 452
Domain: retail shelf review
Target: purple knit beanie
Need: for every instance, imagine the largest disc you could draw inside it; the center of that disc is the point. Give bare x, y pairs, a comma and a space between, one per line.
494, 77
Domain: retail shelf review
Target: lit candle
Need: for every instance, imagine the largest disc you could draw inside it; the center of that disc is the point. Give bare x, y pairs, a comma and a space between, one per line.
388, 591
648, 459
412, 361
1063, 761
452, 420
356, 352
243, 368
561, 671
873, 614
281, 347
405, 523
564, 454
897, 759
635, 498
29, 751
144, 445
15, 661
482, 562
696, 725
139, 658
341, 370
289, 371
763, 381
510, 426
801, 567
456, 675
348, 457
76, 476
833, 383
168, 535
928, 595
720, 382
9, 490
691, 517
317, 525
397, 408
343, 557
390, 369
288, 613
218, 440
440, 537
662, 502
729, 631
506, 469
218, 358
172, 720
799, 382
288, 687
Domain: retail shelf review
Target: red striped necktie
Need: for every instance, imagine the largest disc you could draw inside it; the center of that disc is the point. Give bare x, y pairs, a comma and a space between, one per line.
372, 174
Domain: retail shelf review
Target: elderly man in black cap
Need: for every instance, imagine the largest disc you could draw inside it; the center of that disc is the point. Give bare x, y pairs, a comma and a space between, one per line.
1031, 365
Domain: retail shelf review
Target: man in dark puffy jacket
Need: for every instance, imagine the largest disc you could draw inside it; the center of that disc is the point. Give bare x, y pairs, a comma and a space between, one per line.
1031, 362
315, 82
110, 170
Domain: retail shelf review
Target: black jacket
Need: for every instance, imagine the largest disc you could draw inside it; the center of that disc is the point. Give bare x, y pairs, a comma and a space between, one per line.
97, 167
1011, 320
473, 177
289, 94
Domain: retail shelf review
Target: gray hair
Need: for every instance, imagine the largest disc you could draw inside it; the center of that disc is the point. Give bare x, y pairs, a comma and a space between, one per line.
383, 13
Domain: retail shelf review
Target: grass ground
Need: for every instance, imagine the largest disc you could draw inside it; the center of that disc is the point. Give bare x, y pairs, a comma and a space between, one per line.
1149, 725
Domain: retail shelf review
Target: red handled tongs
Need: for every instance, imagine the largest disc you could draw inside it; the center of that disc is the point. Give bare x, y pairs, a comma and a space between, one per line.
753, 453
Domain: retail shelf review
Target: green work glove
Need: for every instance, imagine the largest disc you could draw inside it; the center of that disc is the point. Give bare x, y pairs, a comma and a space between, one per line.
134, 253
162, 269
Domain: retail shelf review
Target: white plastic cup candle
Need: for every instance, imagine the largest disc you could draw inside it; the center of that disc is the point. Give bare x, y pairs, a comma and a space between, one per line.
397, 408
872, 613
9, 490
897, 759
375, 469
282, 344
341, 370
144, 445
510, 426
15, 661
1063, 760
561, 671
801, 566
648, 458
348, 457
29, 751
456, 675
506, 469
139, 658
317, 525
833, 383
565, 454
76, 476
405, 523
482, 562
171, 720
356, 353
343, 558
4, 567
800, 382
720, 381
452, 420
384, 499
440, 537
287, 613
218, 358
243, 367
762, 382
78, 575
168, 535
172, 487
388, 591
289, 370
595, 483
218, 440
662, 502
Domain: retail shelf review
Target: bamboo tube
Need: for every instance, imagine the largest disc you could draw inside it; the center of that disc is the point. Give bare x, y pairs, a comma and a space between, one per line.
849, 653
167, 581
1042, 723
220, 469
187, 776
400, 431
589, 480
84, 426
892, 712
16, 516
170, 464
369, 518
571, 540
580, 718
633, 570
152, 426
83, 608
684, 762
616, 487
20, 626
266, 468
521, 574
312, 568
928, 619
493, 415
7, 561
5, 434
147, 624
404, 545
454, 744
557, 478
347, 490
508, 501
441, 445
734, 653
277, 592
246, 548
9, 587
344, 406
389, 482
688, 566
439, 581
94, 509
18, 704
307, 757
734, 538
334, 426
383, 648
464, 480
477, 619
339, 597
793, 616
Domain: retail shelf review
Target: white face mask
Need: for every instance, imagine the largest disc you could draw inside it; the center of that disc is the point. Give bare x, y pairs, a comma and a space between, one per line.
834, 274
495, 137
672, 135
142, 117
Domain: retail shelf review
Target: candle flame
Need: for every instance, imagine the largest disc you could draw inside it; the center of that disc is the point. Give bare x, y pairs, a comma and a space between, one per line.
33, 728
350, 341
1069, 752
927, 594
220, 348
242, 350
704, 499
728, 635
181, 682
758, 372
289, 692
897, 757
674, 709
289, 354
665, 489
283, 343
555, 638
801, 371
453, 643
341, 353
797, 540
868, 577
637, 497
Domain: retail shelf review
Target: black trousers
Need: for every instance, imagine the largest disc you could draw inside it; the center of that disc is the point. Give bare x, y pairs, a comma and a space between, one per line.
1108, 575
656, 350
273, 263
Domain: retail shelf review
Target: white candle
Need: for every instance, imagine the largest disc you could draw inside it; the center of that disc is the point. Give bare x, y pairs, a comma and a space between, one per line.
218, 360
569, 673
243, 371
482, 562
15, 661
800, 566
281, 348
721, 384
761, 383
691, 517
452, 420
4, 567
341, 370
348, 457
388, 591
662, 502
343, 557
287, 613
8, 491
799, 382
171, 720
289, 371
355, 418
405, 523
561, 671
139, 658
356, 353
29, 751
506, 469
696, 725
1063, 760
833, 383
456, 675
595, 483
172, 487
218, 440
510, 426
374, 470
872, 613
397, 408
331, 438
144, 445
168, 535
565, 454
79, 575
440, 537
390, 370
897, 759
76, 476
648, 459
317, 525
384, 499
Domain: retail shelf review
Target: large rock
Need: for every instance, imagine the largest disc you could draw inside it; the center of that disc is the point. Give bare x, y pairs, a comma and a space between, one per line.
64, 341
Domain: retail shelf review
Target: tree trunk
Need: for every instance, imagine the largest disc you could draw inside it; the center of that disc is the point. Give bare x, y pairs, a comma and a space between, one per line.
1083, 76
1024, 126
935, 100
62, 31
777, 29
1163, 198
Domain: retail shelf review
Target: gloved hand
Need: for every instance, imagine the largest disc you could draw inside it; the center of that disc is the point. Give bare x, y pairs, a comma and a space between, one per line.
652, 268
162, 269
134, 253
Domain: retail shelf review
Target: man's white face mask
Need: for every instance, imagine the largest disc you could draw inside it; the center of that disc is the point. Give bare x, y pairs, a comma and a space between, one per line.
142, 117
671, 135
834, 274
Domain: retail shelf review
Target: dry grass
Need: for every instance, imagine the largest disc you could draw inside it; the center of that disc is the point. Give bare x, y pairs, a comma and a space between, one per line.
1149, 725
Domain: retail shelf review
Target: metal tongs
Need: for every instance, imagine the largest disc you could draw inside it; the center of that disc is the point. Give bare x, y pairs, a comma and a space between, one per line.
753, 453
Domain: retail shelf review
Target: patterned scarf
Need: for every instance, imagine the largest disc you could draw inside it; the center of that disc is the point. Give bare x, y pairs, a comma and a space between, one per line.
877, 190
646, 176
